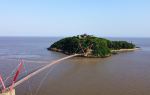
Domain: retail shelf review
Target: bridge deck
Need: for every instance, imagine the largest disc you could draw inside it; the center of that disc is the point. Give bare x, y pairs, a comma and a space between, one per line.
43, 68
8, 92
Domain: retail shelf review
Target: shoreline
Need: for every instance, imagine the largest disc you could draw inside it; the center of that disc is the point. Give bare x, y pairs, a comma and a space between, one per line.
124, 50
92, 56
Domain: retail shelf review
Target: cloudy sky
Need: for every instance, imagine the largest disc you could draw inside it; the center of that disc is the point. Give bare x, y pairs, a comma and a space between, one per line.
109, 18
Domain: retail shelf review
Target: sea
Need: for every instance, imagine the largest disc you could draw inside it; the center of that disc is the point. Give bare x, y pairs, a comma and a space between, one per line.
125, 73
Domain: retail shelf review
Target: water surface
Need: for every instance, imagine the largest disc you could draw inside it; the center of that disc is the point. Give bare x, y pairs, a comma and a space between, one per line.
122, 74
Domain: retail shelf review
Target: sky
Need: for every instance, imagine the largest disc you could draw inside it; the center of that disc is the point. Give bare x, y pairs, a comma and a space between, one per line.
46, 18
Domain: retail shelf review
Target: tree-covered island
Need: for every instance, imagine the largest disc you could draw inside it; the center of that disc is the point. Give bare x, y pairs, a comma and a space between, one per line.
90, 46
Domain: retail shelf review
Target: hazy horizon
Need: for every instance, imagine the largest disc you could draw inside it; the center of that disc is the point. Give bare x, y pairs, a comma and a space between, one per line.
61, 18
65, 36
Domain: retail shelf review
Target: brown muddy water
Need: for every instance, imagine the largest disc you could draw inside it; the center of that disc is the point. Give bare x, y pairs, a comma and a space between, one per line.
123, 74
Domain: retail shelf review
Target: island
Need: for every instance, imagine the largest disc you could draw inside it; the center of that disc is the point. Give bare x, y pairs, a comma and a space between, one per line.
91, 46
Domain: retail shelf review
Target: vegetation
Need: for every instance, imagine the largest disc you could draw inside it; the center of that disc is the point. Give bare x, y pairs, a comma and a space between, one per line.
89, 45
120, 45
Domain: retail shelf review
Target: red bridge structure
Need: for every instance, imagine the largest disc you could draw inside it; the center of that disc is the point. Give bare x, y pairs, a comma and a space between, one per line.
10, 90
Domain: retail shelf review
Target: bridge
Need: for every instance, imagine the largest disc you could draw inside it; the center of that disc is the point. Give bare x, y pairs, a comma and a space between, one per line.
11, 89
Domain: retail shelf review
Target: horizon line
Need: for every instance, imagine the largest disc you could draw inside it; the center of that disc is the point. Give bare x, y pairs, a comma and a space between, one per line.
75, 35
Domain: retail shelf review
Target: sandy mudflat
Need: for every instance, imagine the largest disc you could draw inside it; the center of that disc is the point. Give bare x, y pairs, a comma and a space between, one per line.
125, 50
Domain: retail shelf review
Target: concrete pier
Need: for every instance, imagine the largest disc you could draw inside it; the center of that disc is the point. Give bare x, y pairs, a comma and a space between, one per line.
9, 92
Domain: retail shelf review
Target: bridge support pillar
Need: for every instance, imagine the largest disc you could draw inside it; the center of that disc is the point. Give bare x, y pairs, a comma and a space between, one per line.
9, 92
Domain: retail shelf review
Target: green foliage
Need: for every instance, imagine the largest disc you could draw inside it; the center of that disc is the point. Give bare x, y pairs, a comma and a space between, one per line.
121, 45
69, 44
100, 47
